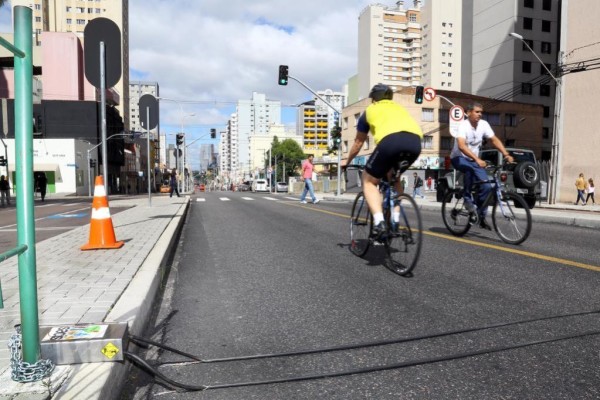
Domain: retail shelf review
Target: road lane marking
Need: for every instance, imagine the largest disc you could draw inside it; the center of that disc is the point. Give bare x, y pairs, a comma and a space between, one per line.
270, 198
475, 243
200, 200
248, 198
42, 218
224, 198
46, 228
70, 204
291, 198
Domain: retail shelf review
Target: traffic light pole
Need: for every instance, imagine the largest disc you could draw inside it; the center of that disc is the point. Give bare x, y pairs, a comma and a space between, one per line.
339, 151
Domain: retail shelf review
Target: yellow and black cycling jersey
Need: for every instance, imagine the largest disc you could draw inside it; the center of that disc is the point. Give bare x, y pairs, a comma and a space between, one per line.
386, 117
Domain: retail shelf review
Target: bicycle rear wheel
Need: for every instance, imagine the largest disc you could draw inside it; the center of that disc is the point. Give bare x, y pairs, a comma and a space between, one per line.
454, 214
361, 223
511, 218
403, 244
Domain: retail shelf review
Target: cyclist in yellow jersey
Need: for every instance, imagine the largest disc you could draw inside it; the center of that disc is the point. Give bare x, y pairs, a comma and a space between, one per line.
397, 138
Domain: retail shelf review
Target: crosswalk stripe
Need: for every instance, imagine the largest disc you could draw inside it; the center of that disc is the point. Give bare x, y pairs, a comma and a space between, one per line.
291, 198
248, 198
224, 199
270, 198
200, 199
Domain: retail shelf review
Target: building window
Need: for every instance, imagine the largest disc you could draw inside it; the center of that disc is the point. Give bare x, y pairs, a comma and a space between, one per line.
543, 70
492, 118
356, 117
529, 42
427, 114
526, 88
528, 4
38, 6
546, 133
545, 26
510, 119
68, 9
546, 47
547, 5
526, 67
81, 22
546, 111
527, 23
545, 90
443, 116
38, 19
427, 142
69, 21
446, 143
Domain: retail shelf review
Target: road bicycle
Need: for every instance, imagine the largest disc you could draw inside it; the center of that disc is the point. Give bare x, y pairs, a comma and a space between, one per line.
511, 217
403, 239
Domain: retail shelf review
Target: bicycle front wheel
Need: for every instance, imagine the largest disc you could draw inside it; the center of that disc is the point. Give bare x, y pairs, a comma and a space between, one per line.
405, 238
511, 218
455, 215
361, 223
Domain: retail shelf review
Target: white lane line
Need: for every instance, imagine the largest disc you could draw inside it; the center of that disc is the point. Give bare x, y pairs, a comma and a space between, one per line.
70, 204
224, 199
270, 198
44, 205
248, 198
47, 228
291, 198
200, 200
41, 218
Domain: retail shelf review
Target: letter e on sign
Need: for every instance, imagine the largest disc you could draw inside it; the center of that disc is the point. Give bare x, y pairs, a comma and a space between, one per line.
457, 114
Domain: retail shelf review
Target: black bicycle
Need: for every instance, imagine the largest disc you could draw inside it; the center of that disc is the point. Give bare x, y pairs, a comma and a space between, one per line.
402, 240
511, 217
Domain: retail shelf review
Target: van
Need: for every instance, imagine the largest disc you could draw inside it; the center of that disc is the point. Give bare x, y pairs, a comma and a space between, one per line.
260, 185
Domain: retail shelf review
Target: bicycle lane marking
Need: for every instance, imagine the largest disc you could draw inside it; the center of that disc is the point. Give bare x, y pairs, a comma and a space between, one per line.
47, 217
475, 243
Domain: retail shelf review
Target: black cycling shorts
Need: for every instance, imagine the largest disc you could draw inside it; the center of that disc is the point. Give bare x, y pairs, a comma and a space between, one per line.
394, 148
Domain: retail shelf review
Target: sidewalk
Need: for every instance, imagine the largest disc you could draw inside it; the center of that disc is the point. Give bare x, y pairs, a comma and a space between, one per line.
91, 287
562, 213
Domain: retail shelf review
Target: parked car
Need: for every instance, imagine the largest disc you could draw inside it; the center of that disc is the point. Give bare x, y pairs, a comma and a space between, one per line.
281, 187
260, 185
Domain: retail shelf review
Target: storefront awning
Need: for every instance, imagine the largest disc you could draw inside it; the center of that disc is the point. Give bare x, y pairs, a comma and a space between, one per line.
44, 167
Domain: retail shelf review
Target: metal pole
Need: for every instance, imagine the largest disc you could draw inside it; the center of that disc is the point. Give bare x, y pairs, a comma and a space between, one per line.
89, 174
103, 115
24, 201
148, 179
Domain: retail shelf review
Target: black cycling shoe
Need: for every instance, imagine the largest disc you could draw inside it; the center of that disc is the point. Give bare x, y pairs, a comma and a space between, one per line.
379, 230
484, 225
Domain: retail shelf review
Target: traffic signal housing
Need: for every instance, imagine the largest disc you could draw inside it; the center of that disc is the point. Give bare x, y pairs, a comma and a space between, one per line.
213, 133
336, 137
419, 94
179, 139
3, 161
283, 75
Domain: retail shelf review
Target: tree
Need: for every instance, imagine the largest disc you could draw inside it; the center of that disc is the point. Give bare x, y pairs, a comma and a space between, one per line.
287, 153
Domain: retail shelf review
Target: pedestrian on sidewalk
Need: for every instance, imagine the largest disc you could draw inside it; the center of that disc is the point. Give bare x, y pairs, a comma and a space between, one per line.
4, 190
42, 183
429, 184
581, 185
590, 192
307, 176
403, 184
417, 185
173, 182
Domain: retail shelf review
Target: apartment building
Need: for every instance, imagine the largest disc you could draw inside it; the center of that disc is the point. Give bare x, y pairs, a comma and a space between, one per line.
442, 49
72, 16
315, 120
389, 46
502, 66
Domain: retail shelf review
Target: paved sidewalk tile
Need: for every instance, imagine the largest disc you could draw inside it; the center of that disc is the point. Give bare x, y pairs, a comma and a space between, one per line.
76, 286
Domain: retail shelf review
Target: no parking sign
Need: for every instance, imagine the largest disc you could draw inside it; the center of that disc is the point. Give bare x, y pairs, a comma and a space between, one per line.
457, 114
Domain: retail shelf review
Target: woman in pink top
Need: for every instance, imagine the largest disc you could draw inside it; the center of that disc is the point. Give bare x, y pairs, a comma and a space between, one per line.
307, 171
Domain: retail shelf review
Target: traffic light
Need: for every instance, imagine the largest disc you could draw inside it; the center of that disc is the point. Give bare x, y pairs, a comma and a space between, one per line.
213, 133
179, 139
419, 94
2, 161
336, 137
283, 75
92, 163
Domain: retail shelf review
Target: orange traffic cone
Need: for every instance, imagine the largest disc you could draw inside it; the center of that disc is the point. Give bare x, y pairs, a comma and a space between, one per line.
102, 233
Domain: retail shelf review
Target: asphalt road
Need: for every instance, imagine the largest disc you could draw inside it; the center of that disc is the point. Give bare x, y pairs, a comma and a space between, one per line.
53, 217
260, 273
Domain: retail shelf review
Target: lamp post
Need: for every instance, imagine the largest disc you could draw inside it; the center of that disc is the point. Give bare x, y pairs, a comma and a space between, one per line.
556, 123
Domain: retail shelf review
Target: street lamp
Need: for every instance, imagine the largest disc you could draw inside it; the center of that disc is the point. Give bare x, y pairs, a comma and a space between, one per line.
556, 124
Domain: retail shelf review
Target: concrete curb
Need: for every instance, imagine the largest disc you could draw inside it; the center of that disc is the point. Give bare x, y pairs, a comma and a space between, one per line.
105, 380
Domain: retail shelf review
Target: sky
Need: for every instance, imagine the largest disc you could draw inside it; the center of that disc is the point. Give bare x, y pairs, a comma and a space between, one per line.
208, 54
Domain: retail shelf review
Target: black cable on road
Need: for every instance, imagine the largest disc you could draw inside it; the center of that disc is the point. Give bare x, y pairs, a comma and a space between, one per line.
141, 340
386, 367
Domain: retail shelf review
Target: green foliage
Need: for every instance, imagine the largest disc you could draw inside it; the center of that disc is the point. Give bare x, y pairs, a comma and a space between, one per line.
288, 154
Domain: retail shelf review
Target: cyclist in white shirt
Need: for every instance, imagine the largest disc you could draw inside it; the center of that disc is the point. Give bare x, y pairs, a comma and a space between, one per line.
465, 158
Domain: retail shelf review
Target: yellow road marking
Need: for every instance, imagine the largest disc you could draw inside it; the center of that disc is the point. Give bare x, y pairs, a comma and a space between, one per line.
480, 244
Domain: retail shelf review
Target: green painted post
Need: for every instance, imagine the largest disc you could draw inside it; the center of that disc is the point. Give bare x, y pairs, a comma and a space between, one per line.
24, 174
